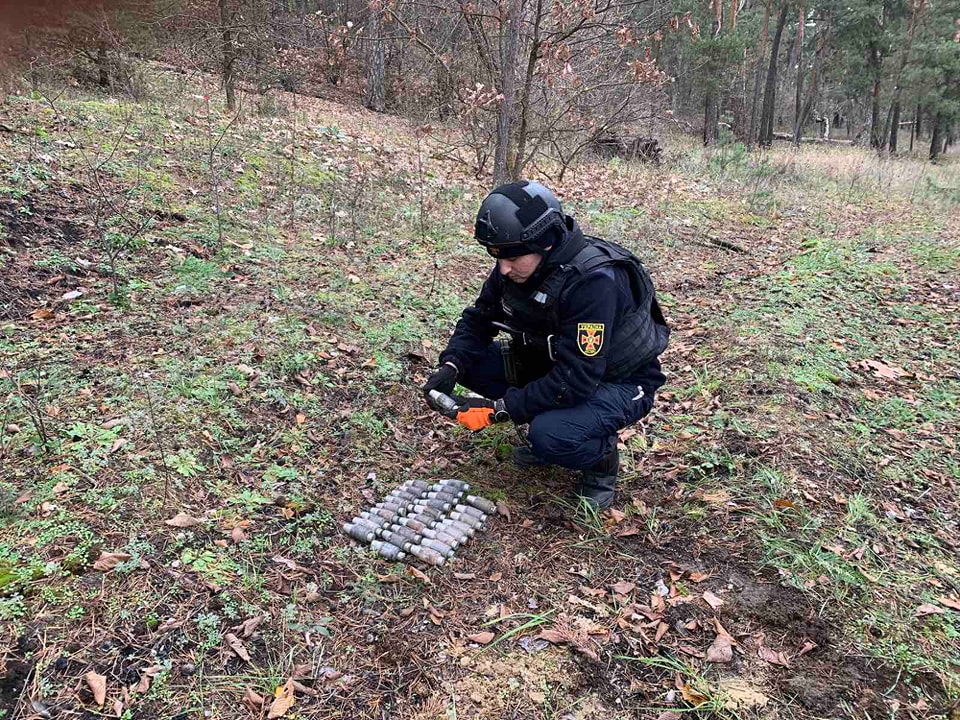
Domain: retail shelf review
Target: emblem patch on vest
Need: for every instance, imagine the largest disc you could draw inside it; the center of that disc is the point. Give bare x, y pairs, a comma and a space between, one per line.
590, 338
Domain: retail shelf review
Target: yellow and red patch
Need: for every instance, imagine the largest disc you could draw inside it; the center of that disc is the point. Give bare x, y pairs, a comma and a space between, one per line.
590, 338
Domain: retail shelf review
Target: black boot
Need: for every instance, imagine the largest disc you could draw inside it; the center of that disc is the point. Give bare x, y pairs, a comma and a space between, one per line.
524, 458
600, 481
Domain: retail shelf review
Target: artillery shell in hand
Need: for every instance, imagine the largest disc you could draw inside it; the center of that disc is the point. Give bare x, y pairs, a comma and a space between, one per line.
428, 555
487, 506
362, 533
388, 550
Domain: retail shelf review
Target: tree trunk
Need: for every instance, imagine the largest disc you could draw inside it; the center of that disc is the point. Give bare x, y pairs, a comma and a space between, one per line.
798, 118
894, 125
378, 73
874, 63
509, 43
770, 91
229, 56
935, 139
532, 57
103, 66
710, 118
764, 38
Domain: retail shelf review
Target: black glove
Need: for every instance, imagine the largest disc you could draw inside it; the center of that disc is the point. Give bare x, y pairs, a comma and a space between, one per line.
443, 380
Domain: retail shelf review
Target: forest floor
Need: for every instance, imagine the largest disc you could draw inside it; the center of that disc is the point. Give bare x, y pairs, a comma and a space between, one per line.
194, 404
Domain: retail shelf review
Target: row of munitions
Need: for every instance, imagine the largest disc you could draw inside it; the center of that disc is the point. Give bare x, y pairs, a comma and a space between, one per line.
426, 520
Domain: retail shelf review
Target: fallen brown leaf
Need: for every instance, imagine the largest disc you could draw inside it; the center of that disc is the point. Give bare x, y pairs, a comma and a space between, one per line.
234, 643
773, 657
283, 700
712, 600
952, 603
623, 587
108, 561
496, 577
247, 627
481, 638
721, 651
182, 520
98, 686
253, 701
928, 609
418, 574
699, 577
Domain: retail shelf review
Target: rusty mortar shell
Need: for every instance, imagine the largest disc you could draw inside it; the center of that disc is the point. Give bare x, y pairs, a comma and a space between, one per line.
395, 508
442, 537
361, 533
452, 498
487, 506
467, 530
446, 538
406, 533
402, 498
440, 547
394, 539
417, 523
381, 513
438, 506
428, 555
414, 524
467, 520
453, 482
447, 527
368, 524
470, 510
388, 550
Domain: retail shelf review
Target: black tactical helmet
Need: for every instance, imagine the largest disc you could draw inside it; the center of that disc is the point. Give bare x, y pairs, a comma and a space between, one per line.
515, 219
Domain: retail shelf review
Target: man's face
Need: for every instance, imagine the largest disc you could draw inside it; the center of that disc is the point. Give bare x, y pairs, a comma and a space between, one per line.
519, 269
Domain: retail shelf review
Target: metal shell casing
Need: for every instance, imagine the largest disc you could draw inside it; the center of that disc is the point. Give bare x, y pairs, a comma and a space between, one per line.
466, 519
428, 555
470, 510
440, 547
388, 550
487, 506
361, 533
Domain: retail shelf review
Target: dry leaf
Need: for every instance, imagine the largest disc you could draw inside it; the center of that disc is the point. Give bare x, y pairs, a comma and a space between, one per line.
882, 370
146, 676
952, 603
418, 574
496, 577
699, 577
246, 370
238, 535
741, 696
692, 696
623, 587
481, 638
98, 686
282, 701
928, 609
464, 576
182, 520
691, 651
712, 600
118, 707
108, 561
503, 509
772, 656
253, 701
669, 715
552, 636
233, 642
301, 418
721, 651
247, 627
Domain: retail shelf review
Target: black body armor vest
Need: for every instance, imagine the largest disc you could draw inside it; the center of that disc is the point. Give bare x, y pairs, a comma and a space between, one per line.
640, 335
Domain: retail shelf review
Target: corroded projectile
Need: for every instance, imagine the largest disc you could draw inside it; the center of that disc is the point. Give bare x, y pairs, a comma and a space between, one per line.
459, 527
440, 547
435, 503
440, 535
487, 506
394, 539
466, 520
405, 533
419, 484
452, 482
450, 529
417, 523
381, 513
369, 524
361, 533
428, 520
394, 507
471, 510
403, 497
430, 507
388, 550
428, 555
451, 498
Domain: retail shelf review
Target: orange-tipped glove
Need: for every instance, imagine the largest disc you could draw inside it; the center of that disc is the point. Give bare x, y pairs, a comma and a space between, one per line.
477, 413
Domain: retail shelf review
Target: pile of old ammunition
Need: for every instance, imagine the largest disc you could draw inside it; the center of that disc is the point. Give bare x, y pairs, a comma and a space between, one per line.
428, 521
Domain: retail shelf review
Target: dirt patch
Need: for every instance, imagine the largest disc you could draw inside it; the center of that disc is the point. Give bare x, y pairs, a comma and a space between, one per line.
775, 607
